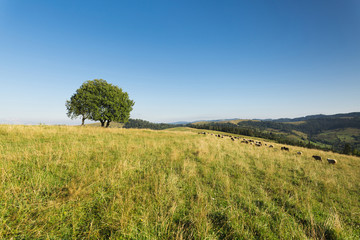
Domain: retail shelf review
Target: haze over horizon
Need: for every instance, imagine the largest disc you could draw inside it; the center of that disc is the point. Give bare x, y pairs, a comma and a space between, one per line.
181, 61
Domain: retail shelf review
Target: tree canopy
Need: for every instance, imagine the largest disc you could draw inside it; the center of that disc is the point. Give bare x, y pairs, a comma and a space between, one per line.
98, 100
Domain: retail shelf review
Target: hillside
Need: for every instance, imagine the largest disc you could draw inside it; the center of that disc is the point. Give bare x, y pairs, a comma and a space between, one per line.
61, 182
340, 132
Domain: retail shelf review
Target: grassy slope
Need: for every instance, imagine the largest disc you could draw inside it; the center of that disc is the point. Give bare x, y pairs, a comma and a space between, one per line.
84, 182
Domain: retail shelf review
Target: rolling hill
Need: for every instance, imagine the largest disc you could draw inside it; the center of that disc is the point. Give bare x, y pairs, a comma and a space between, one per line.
62, 182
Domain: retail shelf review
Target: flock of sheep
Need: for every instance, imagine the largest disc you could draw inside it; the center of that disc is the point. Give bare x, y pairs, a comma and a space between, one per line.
259, 144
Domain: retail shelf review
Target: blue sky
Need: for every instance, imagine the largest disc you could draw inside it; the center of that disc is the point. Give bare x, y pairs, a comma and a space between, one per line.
181, 60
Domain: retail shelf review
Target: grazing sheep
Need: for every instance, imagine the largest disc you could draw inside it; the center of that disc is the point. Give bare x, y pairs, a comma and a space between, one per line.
285, 148
258, 144
271, 146
299, 153
317, 157
331, 161
233, 139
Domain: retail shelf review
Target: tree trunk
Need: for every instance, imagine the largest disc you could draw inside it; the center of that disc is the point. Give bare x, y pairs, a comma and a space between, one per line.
108, 123
83, 121
102, 123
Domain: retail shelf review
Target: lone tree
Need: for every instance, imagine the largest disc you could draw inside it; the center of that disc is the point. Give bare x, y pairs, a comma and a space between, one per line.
98, 100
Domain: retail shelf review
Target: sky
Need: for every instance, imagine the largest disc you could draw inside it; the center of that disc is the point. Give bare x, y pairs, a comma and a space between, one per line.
181, 60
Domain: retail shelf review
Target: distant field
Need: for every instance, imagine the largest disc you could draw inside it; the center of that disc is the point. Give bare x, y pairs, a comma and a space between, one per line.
60, 182
238, 120
349, 135
300, 134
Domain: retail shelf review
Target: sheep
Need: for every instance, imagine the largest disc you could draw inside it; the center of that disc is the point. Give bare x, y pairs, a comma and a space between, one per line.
331, 161
317, 157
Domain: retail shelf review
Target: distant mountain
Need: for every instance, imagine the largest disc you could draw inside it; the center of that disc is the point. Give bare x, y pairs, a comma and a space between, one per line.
231, 119
180, 123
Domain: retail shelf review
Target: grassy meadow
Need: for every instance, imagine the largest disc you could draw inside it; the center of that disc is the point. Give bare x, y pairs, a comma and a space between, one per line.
67, 182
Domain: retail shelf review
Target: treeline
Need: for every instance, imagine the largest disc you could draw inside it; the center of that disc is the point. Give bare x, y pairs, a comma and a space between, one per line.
319, 116
138, 123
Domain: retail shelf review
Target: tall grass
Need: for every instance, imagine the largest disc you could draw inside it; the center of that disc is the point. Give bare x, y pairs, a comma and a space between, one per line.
60, 182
